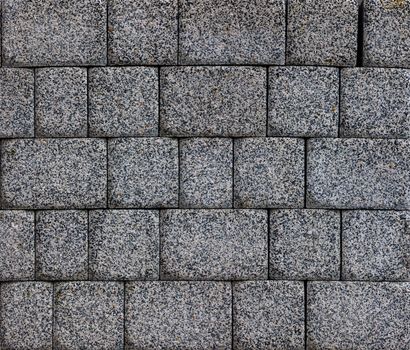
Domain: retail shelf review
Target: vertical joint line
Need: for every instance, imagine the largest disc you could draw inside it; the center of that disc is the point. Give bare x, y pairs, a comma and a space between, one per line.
87, 71
233, 173
305, 311
178, 28
35, 102
35, 244
106, 32
159, 101
267, 101
341, 245
88, 244
107, 178
305, 173
52, 314
123, 313
360, 35
232, 316
339, 103
159, 244
269, 276
286, 29
179, 172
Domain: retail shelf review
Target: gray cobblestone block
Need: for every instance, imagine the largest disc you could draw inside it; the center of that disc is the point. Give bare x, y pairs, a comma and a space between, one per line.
322, 32
62, 248
206, 173
303, 101
178, 315
226, 32
304, 244
268, 315
16, 102
268, 172
61, 102
53, 173
214, 244
54, 33
123, 101
143, 172
376, 245
88, 315
358, 315
16, 245
26, 315
124, 244
358, 173
213, 101
375, 102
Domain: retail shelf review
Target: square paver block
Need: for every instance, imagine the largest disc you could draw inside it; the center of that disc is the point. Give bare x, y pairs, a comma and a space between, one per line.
54, 33
26, 315
304, 244
143, 172
206, 173
268, 315
178, 315
375, 102
358, 173
268, 172
303, 101
61, 102
322, 32
124, 244
53, 173
232, 32
16, 245
213, 101
358, 315
123, 101
62, 248
16, 102
222, 244
142, 32
88, 315
376, 245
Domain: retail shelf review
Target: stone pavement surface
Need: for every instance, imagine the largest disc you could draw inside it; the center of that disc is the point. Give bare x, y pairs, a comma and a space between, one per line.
208, 174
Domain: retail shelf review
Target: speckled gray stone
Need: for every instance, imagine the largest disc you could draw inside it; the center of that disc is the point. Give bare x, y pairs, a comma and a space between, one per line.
26, 315
178, 315
375, 102
61, 244
88, 315
268, 315
53, 173
214, 244
303, 101
16, 102
358, 173
213, 101
61, 102
57, 33
232, 32
142, 32
143, 172
322, 32
206, 173
124, 244
375, 245
358, 315
304, 244
268, 172
123, 101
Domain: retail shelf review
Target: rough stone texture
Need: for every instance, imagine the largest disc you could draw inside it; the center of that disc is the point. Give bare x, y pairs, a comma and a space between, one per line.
124, 244
213, 101
26, 315
61, 244
322, 32
88, 315
375, 102
268, 172
268, 315
304, 244
16, 245
232, 32
375, 245
58, 33
53, 173
303, 101
358, 315
214, 244
61, 102
206, 173
358, 173
123, 101
178, 315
